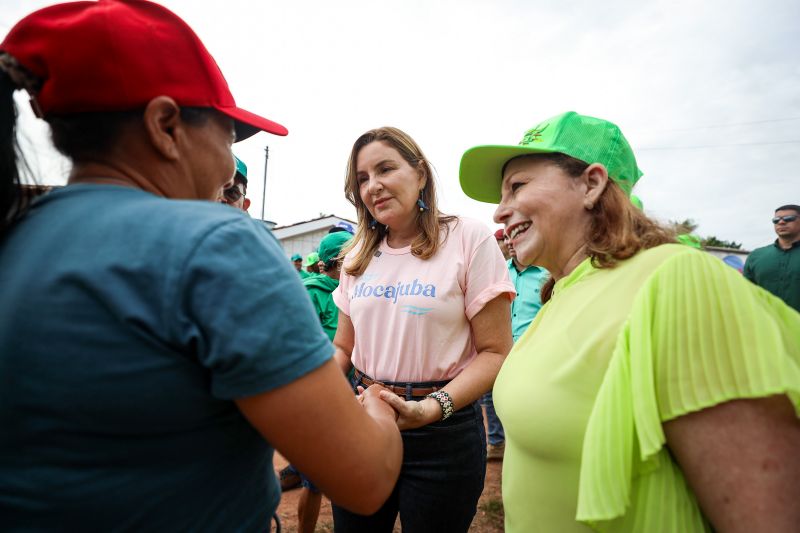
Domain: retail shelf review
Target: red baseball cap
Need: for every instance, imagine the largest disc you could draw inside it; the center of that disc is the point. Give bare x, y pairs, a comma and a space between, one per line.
117, 55
499, 234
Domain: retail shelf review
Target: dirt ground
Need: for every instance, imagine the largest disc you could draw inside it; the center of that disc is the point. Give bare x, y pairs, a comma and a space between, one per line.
488, 519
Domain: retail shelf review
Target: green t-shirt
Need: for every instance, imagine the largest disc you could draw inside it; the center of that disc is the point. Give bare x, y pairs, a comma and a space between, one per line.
614, 354
777, 270
319, 289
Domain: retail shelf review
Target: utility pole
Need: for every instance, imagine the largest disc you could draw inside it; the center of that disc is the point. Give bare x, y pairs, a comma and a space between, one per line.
264, 197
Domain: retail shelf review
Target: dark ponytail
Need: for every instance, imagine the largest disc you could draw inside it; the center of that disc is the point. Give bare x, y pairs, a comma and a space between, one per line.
12, 203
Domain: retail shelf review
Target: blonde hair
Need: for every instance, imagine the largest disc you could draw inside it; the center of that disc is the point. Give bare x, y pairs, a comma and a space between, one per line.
430, 222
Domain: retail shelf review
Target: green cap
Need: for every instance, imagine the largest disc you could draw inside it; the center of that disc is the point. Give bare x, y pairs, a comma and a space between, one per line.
690, 239
297, 257
241, 170
332, 244
311, 259
589, 139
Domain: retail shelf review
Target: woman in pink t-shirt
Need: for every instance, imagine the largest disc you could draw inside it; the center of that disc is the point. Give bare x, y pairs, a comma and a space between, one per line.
424, 309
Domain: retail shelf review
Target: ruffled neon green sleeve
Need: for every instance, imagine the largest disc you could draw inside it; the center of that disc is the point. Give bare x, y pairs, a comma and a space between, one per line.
699, 334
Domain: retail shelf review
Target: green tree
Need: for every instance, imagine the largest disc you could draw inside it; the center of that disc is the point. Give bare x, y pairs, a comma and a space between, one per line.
689, 227
721, 243
684, 227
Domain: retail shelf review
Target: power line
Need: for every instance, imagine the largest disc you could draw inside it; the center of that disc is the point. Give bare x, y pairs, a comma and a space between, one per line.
731, 124
700, 146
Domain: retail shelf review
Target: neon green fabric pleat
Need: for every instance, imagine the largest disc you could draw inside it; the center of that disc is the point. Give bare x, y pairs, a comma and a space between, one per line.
698, 334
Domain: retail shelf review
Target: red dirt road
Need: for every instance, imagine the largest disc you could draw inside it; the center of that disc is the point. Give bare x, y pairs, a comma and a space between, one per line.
488, 519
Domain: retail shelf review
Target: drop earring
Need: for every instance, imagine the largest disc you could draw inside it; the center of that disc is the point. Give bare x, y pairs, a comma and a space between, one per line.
373, 224
421, 203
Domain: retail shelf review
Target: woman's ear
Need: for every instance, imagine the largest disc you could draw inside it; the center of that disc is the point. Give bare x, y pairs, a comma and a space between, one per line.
162, 122
595, 180
423, 174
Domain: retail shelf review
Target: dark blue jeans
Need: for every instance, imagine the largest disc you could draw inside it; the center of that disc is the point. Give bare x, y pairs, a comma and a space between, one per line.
496, 433
444, 466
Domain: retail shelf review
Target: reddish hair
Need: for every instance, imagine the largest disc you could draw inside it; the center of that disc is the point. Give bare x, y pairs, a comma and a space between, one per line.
618, 229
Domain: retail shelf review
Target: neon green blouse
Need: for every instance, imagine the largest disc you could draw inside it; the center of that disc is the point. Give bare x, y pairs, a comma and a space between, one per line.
614, 354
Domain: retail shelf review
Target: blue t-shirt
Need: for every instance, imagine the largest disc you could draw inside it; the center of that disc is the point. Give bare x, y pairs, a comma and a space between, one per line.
128, 324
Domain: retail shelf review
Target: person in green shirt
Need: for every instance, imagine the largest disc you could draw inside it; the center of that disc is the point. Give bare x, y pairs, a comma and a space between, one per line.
656, 389
776, 267
312, 264
320, 289
297, 262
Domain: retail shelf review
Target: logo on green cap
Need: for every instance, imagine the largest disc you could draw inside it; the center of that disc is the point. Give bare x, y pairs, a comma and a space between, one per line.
534, 135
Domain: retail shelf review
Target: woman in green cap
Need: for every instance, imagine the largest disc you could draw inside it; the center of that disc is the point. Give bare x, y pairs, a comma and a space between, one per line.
656, 390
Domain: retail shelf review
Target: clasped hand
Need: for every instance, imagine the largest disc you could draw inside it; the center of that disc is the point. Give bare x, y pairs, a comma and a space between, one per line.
410, 413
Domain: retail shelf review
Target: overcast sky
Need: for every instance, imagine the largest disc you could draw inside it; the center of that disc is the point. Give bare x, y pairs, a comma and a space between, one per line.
707, 92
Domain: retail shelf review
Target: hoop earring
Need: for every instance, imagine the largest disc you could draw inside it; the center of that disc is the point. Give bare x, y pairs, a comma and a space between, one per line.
421, 203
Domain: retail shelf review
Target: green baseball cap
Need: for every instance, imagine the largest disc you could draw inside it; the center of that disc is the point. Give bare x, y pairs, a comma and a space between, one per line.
332, 244
592, 140
241, 170
297, 257
311, 259
690, 239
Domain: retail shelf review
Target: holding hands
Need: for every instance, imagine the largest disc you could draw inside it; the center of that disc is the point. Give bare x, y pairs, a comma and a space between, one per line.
409, 414
372, 401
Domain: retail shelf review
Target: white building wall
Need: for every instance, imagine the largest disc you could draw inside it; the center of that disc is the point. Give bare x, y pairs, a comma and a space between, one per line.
722, 254
303, 244
731, 257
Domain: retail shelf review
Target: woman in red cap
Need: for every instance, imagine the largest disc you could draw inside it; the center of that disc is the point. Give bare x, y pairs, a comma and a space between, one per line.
155, 346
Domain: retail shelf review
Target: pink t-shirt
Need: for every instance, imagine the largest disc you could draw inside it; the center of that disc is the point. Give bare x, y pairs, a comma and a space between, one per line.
411, 316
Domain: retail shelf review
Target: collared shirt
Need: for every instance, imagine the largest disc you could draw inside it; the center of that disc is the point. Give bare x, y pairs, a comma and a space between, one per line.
776, 270
528, 285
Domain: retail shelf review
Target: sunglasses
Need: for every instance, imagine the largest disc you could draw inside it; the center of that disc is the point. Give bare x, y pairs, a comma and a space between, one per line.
785, 218
232, 194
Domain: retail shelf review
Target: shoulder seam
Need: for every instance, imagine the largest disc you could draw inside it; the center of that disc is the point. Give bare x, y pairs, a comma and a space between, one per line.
172, 300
